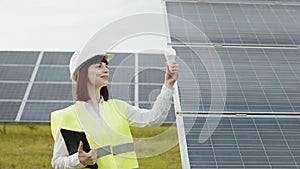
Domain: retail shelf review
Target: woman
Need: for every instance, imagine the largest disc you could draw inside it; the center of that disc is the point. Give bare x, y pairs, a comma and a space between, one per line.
105, 122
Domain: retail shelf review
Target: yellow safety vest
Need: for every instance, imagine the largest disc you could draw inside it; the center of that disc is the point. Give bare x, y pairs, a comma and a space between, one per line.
112, 139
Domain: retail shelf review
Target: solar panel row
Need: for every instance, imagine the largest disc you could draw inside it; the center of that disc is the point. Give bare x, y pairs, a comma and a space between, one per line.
26, 95
247, 55
237, 23
29, 95
257, 80
243, 142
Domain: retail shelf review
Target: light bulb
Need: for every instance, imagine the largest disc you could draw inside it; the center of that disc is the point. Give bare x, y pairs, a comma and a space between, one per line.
170, 54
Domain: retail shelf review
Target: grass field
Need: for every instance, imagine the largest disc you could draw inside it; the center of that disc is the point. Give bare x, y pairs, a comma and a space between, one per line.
30, 147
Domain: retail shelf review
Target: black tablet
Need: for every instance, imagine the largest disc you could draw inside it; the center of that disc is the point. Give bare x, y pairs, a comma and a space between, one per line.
72, 139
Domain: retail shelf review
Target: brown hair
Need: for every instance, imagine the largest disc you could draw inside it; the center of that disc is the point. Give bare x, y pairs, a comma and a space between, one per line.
82, 79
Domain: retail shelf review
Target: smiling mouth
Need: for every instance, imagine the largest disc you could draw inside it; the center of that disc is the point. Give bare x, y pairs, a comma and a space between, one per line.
104, 77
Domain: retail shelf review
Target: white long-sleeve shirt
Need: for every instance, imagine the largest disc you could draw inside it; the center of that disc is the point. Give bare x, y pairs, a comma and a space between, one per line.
135, 116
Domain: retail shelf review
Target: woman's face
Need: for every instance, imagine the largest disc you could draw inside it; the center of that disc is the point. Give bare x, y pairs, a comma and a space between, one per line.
98, 74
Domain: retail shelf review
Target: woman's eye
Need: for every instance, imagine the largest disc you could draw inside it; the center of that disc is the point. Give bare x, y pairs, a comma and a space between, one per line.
101, 65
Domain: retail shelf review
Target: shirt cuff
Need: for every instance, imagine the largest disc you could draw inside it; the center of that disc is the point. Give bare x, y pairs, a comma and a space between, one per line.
75, 160
167, 91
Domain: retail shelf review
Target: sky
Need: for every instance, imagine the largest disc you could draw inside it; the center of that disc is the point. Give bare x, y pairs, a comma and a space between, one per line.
66, 25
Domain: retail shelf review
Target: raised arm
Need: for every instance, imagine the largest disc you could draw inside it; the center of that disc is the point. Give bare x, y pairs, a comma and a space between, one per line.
161, 106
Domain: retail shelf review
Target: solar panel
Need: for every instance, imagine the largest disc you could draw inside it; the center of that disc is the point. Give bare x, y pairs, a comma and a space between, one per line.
13, 73
9, 110
16, 68
117, 78
242, 142
33, 84
40, 111
124, 92
56, 58
138, 79
50, 88
236, 22
12, 90
123, 59
18, 57
50, 74
152, 75
237, 57
256, 80
151, 78
51, 92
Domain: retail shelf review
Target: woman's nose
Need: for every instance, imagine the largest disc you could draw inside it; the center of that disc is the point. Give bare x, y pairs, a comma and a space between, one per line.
105, 68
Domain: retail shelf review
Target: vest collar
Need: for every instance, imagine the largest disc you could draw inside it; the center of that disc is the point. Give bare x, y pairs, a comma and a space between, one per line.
89, 124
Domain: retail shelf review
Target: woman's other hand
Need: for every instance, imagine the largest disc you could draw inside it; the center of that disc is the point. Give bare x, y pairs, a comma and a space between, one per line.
85, 158
172, 74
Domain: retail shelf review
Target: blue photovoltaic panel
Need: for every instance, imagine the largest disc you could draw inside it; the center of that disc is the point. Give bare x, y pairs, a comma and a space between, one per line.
123, 59
51, 92
151, 75
12, 90
122, 91
257, 80
238, 22
53, 74
56, 58
40, 111
13, 57
15, 73
123, 74
9, 110
242, 73
152, 61
149, 92
16, 68
52, 88
274, 2
243, 142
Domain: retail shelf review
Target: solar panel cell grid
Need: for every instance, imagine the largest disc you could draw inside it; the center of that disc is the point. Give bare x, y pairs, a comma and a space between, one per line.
149, 92
56, 58
244, 142
260, 80
15, 73
12, 90
151, 75
40, 111
51, 92
12, 57
52, 88
237, 23
117, 74
151, 60
122, 91
123, 59
9, 110
53, 74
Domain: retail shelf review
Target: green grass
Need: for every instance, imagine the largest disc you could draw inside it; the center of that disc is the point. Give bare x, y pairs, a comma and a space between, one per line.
24, 147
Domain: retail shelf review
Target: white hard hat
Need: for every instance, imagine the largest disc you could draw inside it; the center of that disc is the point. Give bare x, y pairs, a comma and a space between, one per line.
79, 59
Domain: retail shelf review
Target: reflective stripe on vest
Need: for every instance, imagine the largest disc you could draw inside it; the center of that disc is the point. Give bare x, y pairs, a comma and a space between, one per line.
115, 150
103, 151
122, 148
113, 140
